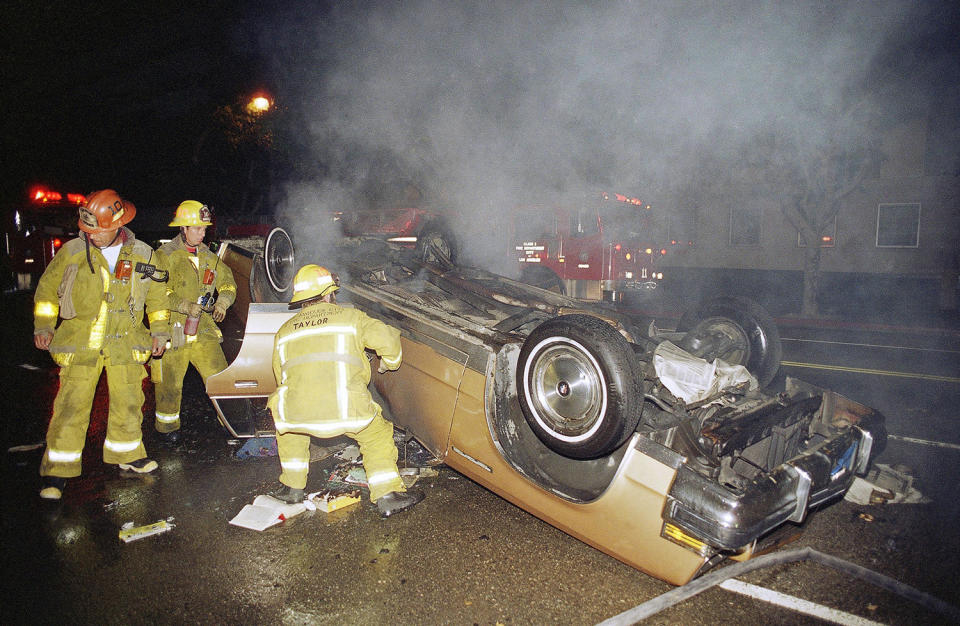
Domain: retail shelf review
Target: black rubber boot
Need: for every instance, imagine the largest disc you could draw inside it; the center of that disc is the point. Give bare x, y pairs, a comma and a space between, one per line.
53, 487
288, 494
171, 438
398, 501
140, 466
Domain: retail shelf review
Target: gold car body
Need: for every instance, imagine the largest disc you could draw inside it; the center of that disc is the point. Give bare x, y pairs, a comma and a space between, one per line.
452, 395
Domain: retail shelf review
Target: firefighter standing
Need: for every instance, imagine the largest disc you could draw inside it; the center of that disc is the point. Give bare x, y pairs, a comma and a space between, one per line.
322, 375
202, 288
98, 284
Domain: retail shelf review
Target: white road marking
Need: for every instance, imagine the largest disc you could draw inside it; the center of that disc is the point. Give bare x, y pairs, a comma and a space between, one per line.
925, 442
793, 603
869, 345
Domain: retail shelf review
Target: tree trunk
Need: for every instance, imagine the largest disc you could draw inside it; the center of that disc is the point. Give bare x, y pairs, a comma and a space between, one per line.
811, 281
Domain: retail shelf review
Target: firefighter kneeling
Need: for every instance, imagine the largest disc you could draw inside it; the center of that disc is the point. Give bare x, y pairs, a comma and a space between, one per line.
322, 376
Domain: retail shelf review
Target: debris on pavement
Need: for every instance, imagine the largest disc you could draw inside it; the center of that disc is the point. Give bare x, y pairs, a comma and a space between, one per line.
26, 447
257, 447
266, 511
410, 475
350, 474
331, 500
349, 453
129, 532
885, 485
319, 453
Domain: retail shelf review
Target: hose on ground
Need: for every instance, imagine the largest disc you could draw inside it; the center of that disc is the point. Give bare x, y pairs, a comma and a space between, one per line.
675, 596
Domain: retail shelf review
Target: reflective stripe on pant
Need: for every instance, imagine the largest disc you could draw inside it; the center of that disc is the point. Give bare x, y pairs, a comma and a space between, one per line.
71, 416
206, 356
376, 446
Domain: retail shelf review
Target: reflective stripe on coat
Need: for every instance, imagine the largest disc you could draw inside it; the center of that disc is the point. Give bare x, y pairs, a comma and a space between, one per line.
322, 371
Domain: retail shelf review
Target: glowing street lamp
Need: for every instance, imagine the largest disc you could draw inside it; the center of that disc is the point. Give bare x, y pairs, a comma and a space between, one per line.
258, 104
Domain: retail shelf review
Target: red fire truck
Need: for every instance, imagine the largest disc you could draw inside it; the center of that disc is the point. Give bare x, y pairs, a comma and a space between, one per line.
35, 231
595, 249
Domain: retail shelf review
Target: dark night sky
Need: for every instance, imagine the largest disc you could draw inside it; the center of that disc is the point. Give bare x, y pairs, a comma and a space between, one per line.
473, 100
115, 94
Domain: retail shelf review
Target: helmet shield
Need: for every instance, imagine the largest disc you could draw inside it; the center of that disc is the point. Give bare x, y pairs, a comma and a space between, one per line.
192, 213
104, 211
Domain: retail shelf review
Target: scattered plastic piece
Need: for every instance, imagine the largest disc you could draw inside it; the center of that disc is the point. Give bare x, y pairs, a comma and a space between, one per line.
129, 532
258, 447
884, 485
266, 511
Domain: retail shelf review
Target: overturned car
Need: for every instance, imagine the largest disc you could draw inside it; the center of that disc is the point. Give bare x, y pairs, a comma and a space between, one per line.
578, 413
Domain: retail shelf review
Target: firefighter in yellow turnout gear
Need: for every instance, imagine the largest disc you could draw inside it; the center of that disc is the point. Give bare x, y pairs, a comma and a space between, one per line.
98, 285
322, 375
196, 275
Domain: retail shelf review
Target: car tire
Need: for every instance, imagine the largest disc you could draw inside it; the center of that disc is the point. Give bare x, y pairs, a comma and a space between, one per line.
279, 260
759, 348
543, 278
436, 245
579, 386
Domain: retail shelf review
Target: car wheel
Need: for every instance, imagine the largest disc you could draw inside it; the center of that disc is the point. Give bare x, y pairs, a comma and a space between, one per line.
543, 278
278, 257
736, 330
578, 386
436, 246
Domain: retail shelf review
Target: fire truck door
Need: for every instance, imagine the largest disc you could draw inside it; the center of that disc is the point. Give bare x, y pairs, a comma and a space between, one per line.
582, 250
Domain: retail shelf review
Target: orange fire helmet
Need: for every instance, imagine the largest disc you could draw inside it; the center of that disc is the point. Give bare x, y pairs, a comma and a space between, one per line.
104, 211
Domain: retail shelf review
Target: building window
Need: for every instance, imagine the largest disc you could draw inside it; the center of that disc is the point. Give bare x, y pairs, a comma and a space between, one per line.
828, 238
745, 226
898, 225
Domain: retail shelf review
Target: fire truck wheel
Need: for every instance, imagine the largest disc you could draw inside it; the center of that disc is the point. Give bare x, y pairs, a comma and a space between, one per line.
579, 386
737, 330
435, 245
541, 277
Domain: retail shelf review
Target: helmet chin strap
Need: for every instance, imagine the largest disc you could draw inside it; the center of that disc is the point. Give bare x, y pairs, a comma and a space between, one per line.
87, 242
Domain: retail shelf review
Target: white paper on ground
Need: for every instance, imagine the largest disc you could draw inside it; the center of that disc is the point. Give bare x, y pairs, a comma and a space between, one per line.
266, 511
693, 379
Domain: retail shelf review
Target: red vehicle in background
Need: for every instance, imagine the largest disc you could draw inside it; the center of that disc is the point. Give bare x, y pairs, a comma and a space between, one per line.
422, 230
595, 250
36, 229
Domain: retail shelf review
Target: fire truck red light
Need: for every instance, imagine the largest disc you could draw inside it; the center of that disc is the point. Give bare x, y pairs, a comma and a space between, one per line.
617, 247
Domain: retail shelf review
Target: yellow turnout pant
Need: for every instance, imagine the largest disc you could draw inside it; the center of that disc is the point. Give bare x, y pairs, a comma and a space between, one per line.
71, 416
206, 356
376, 445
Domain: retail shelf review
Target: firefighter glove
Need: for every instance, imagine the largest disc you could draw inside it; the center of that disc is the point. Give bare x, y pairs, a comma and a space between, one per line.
382, 369
219, 312
190, 309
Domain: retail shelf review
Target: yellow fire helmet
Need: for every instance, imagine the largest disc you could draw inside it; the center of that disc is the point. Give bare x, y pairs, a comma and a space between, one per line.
192, 213
313, 281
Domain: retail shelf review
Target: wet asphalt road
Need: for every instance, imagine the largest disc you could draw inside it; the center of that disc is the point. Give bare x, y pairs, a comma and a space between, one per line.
463, 556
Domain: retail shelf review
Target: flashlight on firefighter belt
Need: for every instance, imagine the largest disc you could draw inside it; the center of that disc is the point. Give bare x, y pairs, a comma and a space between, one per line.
151, 272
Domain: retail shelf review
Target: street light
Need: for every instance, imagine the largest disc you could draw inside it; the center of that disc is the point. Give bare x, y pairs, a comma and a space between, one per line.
258, 104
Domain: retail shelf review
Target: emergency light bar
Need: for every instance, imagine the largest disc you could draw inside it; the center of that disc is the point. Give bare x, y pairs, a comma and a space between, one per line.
44, 196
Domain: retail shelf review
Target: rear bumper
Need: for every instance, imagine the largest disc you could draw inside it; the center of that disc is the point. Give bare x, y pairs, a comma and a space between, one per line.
731, 520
